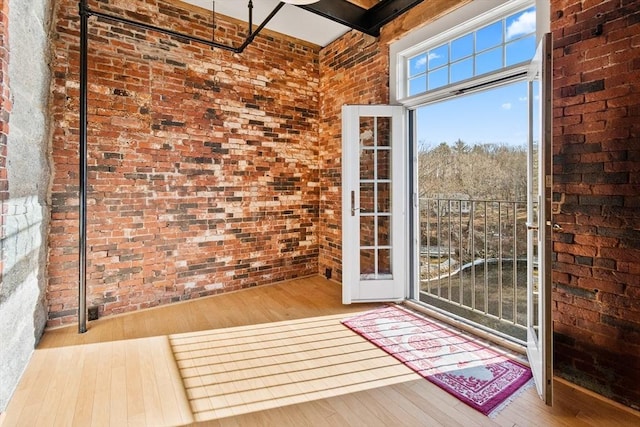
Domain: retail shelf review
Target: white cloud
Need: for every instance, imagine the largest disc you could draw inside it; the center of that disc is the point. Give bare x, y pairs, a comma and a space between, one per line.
525, 24
434, 56
421, 62
507, 106
523, 99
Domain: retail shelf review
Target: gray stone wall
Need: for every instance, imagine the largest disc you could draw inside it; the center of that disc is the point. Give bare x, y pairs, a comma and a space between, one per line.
22, 295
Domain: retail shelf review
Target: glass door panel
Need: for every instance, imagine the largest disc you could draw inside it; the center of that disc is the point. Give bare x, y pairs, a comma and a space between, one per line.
372, 199
375, 197
539, 330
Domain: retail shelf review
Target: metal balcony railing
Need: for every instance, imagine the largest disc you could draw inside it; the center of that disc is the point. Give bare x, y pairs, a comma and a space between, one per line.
473, 261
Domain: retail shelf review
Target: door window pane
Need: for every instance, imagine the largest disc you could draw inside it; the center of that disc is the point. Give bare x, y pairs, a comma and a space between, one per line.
384, 230
384, 261
367, 163
383, 137
367, 201
366, 131
367, 262
367, 230
384, 198
384, 164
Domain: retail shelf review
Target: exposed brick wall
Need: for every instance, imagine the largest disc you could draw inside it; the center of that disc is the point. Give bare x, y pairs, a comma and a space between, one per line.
597, 165
203, 174
354, 70
597, 171
5, 111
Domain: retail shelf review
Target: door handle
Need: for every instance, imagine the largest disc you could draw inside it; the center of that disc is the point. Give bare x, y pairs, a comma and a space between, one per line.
558, 228
353, 202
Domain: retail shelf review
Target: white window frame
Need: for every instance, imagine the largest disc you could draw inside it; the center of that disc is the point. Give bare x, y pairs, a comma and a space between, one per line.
468, 18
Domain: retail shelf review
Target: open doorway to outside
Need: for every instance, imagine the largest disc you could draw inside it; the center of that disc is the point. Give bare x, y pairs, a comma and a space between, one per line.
477, 88
472, 195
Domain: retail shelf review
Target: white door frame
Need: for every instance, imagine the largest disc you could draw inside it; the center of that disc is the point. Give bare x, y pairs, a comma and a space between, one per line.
357, 287
539, 321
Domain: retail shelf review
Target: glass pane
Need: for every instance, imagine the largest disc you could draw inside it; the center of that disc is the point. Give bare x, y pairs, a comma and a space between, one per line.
367, 262
367, 230
462, 47
384, 164
384, 132
384, 231
489, 61
438, 56
384, 261
418, 65
455, 164
489, 36
462, 70
439, 78
521, 50
521, 24
535, 294
533, 216
367, 162
367, 201
366, 131
384, 198
417, 85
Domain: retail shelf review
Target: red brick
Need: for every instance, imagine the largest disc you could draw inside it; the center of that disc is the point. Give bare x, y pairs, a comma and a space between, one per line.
600, 198
160, 206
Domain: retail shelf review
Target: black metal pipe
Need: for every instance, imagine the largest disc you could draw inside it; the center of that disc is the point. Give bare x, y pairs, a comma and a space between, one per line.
250, 6
253, 35
85, 13
189, 37
82, 173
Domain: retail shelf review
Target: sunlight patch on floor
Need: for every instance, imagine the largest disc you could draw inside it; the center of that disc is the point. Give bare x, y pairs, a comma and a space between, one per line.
235, 371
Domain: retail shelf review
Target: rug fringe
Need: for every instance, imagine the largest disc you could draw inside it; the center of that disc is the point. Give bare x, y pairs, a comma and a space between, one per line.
496, 411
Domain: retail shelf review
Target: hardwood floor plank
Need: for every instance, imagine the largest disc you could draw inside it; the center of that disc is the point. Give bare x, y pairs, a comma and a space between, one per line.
24, 394
82, 384
118, 415
176, 407
101, 414
270, 355
67, 364
133, 381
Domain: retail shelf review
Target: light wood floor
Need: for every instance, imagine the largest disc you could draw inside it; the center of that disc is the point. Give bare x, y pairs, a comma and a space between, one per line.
268, 356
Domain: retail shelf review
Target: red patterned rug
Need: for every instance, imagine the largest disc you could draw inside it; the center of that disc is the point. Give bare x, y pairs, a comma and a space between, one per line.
458, 363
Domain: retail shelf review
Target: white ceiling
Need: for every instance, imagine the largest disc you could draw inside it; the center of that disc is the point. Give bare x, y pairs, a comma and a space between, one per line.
290, 20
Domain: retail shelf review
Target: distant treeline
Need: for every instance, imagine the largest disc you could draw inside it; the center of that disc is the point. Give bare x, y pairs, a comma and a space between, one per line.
483, 171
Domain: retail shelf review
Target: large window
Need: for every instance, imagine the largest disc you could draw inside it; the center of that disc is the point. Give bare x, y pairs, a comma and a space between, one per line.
494, 45
466, 87
504, 43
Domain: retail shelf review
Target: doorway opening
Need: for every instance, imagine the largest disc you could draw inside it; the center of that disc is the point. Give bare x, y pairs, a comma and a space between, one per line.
472, 207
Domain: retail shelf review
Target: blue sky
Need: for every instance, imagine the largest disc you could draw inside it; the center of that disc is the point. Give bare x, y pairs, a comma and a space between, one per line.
497, 116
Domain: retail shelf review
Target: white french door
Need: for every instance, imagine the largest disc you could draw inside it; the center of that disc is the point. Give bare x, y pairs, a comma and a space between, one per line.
539, 170
375, 229
374, 262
